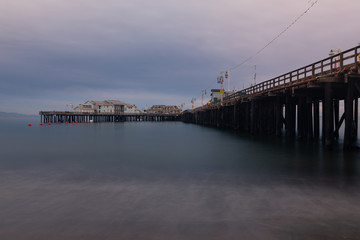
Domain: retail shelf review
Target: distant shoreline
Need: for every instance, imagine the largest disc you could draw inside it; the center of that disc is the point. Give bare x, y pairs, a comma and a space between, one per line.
7, 115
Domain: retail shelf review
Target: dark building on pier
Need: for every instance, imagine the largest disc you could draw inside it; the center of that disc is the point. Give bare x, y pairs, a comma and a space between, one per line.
164, 109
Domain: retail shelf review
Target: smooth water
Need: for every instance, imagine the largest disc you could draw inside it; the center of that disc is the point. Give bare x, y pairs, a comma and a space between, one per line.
170, 180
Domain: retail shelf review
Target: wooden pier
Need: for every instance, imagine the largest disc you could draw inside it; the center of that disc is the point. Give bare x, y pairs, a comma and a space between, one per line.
57, 116
310, 102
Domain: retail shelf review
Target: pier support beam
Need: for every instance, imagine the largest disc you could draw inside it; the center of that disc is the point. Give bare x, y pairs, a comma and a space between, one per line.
336, 117
252, 117
329, 115
309, 118
290, 116
316, 120
301, 117
356, 116
349, 114
236, 116
278, 116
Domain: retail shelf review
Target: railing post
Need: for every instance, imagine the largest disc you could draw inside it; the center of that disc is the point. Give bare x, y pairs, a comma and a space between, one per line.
341, 61
313, 71
331, 63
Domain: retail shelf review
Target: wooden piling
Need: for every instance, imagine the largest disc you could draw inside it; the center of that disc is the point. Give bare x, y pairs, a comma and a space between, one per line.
309, 119
336, 117
348, 114
316, 119
278, 116
329, 115
290, 116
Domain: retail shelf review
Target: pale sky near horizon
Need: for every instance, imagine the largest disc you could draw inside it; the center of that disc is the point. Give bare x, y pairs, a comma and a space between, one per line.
156, 52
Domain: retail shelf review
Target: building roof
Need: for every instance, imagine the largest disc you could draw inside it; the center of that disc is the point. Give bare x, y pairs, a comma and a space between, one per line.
97, 102
109, 103
117, 102
164, 108
215, 90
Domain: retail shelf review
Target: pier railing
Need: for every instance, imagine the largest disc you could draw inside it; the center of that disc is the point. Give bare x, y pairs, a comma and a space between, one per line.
328, 66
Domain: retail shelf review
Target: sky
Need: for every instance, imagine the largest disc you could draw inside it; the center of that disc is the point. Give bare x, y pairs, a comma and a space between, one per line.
53, 53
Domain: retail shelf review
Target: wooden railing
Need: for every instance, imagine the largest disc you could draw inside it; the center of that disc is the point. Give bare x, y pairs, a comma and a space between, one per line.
327, 66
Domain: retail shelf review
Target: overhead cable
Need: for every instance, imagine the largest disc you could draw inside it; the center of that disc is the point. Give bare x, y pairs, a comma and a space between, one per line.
275, 38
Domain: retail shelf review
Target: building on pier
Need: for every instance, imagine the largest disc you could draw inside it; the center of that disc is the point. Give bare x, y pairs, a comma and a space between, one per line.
107, 106
164, 109
217, 94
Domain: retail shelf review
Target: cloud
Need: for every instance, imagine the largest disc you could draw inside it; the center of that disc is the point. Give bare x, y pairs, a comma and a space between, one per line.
165, 47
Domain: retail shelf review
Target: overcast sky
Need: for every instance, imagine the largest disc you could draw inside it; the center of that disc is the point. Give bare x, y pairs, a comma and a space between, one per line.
55, 52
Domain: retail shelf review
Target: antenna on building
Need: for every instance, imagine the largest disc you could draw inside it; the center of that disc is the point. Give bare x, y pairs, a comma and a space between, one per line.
255, 76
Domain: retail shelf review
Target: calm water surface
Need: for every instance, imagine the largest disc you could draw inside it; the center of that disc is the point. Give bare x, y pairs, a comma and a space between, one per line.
170, 180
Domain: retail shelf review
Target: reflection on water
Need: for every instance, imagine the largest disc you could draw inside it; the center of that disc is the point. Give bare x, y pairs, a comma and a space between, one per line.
171, 181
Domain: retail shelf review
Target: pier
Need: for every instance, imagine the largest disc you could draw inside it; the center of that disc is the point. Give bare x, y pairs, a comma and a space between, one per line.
58, 116
308, 103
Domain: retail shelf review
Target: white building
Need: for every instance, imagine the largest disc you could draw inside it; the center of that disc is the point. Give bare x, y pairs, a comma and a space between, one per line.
107, 106
216, 95
125, 107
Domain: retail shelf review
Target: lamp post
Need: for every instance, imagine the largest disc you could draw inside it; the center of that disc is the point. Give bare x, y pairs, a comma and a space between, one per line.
228, 78
203, 92
193, 102
69, 105
202, 98
220, 80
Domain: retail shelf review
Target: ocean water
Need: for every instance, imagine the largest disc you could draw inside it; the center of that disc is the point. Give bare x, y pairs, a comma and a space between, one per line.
171, 180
